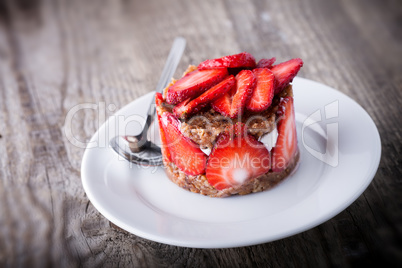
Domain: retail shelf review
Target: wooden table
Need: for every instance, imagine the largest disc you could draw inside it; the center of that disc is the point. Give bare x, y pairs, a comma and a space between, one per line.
55, 55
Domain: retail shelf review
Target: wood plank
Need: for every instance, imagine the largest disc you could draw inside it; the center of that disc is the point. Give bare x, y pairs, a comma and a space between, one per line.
55, 55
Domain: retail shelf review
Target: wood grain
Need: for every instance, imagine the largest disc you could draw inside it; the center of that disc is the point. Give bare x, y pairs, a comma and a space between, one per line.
57, 54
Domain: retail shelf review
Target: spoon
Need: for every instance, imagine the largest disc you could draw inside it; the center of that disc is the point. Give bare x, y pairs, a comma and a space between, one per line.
137, 148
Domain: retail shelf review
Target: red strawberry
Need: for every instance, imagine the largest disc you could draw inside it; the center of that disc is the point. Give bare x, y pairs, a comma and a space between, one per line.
243, 60
245, 83
158, 99
223, 104
263, 92
266, 63
238, 129
180, 110
165, 151
235, 161
286, 144
185, 153
188, 107
193, 84
285, 72
232, 103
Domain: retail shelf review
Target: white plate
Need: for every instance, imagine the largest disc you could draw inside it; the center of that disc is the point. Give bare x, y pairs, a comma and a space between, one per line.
145, 202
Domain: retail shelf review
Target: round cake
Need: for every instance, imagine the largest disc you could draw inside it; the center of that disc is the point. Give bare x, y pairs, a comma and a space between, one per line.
228, 126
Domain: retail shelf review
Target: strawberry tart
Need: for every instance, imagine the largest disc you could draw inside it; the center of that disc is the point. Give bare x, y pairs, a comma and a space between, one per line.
213, 119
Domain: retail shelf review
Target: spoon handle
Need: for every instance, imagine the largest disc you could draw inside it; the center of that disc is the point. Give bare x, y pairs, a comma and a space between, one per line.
179, 44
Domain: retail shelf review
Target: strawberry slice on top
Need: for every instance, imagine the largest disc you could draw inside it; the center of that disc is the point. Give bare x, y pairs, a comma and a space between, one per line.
241, 60
223, 104
263, 93
232, 104
234, 161
285, 72
286, 143
193, 84
266, 63
187, 107
245, 83
184, 153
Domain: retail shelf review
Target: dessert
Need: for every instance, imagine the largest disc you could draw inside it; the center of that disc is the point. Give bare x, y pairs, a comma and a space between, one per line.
212, 121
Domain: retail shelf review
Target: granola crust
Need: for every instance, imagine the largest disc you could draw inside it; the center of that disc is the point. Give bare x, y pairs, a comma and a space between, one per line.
205, 127
199, 184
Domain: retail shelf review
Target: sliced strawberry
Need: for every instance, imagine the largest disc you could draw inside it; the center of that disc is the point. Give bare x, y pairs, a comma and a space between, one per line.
185, 153
232, 104
263, 92
285, 72
223, 104
180, 110
245, 83
188, 107
266, 63
235, 161
193, 84
238, 129
158, 99
286, 144
165, 151
243, 60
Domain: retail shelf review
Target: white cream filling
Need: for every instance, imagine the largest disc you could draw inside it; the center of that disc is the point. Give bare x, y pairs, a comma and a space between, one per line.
270, 139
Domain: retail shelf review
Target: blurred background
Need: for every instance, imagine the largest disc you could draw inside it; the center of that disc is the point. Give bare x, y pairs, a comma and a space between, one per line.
55, 54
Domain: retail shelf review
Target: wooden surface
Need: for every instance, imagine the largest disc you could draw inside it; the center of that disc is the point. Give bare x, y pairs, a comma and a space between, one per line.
55, 55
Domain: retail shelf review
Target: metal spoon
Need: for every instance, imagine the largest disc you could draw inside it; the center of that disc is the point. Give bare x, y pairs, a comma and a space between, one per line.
138, 149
